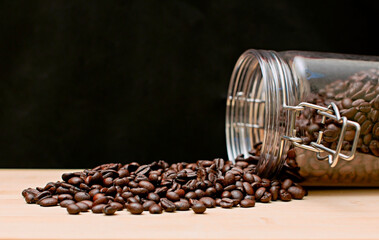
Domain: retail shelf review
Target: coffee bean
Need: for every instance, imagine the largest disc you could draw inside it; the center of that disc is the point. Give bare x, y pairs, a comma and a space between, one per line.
109, 210
191, 195
274, 190
366, 127
73, 209
139, 191
63, 197
173, 196
48, 202
98, 208
226, 204
259, 193
247, 203
75, 181
266, 197
182, 205
229, 179
374, 147
167, 205
153, 196
284, 195
147, 185
155, 209
65, 203
296, 192
226, 194
375, 130
208, 202
88, 202
210, 192
248, 177
118, 206
100, 200
198, 208
146, 205
135, 208
80, 196
83, 207
236, 194
287, 183
199, 193
346, 103
248, 188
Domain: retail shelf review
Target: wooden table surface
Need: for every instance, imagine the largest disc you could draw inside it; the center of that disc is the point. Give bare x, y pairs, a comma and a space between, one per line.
323, 214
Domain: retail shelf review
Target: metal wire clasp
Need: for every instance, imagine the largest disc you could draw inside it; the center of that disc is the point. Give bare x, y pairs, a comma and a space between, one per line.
330, 112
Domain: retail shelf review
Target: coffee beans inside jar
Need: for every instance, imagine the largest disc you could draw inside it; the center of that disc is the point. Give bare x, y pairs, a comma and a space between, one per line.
158, 187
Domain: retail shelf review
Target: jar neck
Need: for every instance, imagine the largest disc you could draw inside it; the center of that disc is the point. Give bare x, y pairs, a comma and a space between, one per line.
261, 84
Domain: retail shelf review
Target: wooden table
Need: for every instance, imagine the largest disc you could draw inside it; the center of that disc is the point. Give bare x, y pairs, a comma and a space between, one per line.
324, 214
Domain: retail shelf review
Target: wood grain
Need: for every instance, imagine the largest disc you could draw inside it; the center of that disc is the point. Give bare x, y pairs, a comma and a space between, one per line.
324, 214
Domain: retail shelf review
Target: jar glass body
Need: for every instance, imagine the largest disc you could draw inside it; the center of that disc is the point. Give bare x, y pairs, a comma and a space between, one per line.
324, 105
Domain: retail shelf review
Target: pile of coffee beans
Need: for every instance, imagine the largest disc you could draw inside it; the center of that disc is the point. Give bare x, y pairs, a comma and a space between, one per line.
159, 187
357, 98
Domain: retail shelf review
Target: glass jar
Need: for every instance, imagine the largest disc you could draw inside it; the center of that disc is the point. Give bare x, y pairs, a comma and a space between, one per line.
314, 116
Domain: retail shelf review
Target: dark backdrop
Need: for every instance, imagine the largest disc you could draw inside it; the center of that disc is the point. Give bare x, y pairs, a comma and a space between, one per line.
89, 82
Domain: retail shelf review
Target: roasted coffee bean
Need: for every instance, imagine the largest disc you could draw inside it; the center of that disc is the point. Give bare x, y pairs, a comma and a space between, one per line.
199, 193
236, 194
331, 133
101, 200
48, 202
146, 205
366, 127
247, 203
181, 193
266, 197
375, 130
259, 193
346, 103
284, 195
198, 208
291, 153
80, 196
208, 202
374, 147
88, 202
182, 205
210, 192
63, 197
287, 183
126, 195
139, 191
98, 208
226, 204
147, 185
191, 195
109, 210
226, 194
155, 209
230, 187
173, 196
296, 192
83, 207
248, 177
73, 209
274, 190
153, 196
248, 188
65, 203
229, 179
75, 181
167, 205
135, 208
118, 206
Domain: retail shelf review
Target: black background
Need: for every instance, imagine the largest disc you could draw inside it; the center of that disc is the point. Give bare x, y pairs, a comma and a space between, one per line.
89, 82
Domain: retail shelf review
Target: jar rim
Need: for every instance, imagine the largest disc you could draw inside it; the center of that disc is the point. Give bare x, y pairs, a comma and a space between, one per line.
260, 85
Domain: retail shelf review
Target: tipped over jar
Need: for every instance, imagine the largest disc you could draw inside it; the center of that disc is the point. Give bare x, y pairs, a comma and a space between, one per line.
313, 115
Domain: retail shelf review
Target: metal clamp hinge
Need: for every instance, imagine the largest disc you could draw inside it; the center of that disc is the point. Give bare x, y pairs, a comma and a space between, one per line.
330, 112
